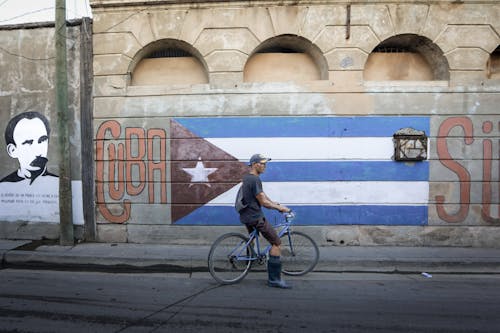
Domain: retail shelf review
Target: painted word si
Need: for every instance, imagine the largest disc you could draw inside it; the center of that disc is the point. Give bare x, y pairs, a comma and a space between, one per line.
463, 173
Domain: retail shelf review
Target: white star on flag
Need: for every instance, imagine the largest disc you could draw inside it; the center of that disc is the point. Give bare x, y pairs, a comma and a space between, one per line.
199, 174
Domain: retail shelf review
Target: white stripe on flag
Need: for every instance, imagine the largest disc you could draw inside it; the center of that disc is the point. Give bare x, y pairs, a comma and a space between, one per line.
318, 148
339, 192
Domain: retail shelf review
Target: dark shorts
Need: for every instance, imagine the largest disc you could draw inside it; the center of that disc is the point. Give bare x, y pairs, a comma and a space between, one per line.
266, 230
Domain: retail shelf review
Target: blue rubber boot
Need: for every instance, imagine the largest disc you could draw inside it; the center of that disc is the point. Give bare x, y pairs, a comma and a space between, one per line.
274, 273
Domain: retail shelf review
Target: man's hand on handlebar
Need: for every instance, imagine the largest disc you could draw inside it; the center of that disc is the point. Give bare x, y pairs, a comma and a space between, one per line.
284, 209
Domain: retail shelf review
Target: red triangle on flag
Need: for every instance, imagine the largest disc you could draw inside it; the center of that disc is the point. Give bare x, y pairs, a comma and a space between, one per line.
200, 171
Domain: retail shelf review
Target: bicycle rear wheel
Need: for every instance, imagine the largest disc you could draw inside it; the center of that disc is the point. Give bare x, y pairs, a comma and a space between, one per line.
299, 253
228, 259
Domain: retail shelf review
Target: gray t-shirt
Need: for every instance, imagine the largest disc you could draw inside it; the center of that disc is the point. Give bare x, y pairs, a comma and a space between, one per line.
251, 186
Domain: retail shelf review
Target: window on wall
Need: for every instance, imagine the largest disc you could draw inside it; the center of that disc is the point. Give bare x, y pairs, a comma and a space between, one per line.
406, 58
168, 66
285, 58
493, 66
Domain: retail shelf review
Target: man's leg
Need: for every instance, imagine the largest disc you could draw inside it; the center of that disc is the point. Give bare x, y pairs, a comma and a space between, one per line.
274, 273
274, 262
275, 250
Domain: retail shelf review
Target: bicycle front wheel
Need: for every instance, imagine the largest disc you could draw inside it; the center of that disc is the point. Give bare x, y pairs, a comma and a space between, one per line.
229, 258
299, 253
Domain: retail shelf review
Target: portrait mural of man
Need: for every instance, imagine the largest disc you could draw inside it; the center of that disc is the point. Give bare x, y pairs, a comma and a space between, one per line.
30, 193
27, 140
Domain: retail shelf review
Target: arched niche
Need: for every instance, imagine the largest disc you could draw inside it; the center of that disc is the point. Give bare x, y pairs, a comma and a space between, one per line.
285, 58
168, 62
406, 57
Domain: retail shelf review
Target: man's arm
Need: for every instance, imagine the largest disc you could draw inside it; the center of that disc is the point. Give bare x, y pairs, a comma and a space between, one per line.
268, 203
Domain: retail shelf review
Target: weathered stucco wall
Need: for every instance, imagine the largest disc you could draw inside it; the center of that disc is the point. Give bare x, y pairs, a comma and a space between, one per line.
135, 129
29, 210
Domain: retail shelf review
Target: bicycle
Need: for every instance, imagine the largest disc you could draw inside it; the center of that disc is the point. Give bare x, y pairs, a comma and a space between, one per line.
232, 255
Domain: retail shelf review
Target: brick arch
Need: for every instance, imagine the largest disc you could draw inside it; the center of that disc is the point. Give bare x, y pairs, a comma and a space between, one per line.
423, 59
287, 49
167, 61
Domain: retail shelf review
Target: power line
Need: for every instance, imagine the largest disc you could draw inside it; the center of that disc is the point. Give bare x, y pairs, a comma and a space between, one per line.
6, 51
2, 3
25, 57
27, 13
74, 11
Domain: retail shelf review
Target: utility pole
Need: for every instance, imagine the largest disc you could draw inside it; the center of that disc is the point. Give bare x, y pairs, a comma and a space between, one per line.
65, 196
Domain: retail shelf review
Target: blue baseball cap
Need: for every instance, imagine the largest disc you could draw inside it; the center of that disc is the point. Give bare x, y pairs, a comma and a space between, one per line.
258, 158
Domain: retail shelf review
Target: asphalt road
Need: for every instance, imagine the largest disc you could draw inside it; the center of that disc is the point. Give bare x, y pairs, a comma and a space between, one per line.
55, 301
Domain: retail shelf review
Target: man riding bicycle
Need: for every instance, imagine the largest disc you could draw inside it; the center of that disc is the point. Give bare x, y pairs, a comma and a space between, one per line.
253, 217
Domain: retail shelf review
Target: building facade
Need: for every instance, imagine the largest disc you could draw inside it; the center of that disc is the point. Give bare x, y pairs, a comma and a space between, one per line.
381, 118
186, 91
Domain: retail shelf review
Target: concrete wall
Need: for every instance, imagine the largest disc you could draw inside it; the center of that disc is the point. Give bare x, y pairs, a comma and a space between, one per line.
147, 140
29, 210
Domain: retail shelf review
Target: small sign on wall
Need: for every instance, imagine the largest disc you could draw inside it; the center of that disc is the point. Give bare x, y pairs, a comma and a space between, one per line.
410, 145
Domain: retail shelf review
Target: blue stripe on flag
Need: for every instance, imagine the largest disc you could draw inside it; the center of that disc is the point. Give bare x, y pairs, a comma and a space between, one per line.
237, 127
318, 215
346, 171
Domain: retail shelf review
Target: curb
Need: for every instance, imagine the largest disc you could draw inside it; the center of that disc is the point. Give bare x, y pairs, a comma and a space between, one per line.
409, 267
56, 261
66, 261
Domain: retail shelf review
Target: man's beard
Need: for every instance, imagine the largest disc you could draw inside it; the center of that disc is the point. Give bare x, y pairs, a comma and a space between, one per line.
39, 162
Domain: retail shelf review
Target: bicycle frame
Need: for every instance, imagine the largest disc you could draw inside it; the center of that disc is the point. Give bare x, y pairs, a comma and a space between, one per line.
254, 236
233, 254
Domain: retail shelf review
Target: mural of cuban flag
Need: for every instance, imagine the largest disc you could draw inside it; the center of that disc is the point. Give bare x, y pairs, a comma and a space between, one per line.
329, 170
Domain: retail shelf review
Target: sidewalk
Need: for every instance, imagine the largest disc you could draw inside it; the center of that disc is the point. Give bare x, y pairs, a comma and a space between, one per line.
174, 258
